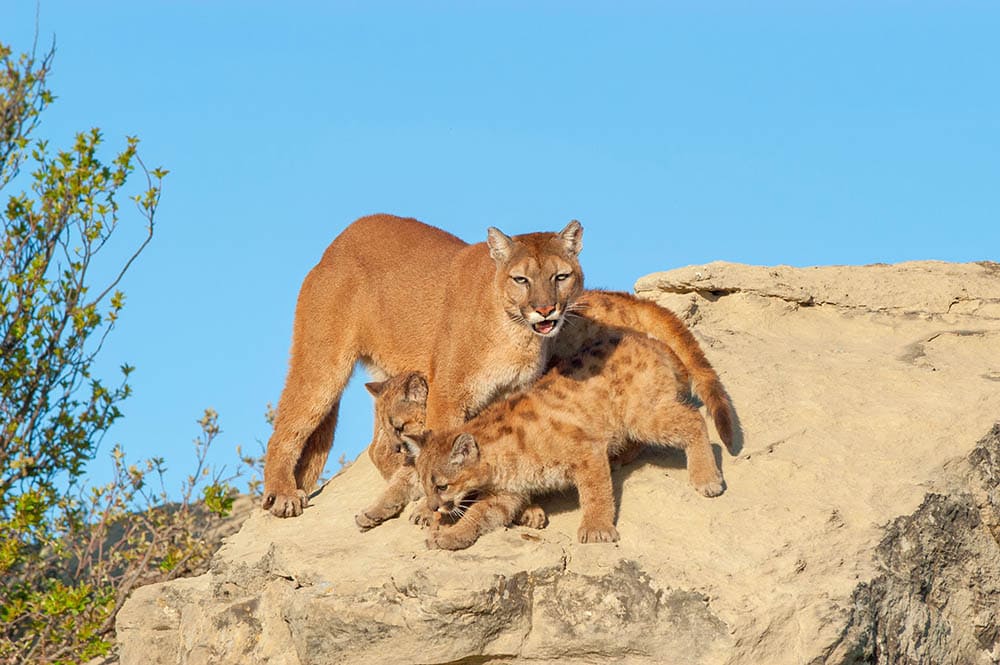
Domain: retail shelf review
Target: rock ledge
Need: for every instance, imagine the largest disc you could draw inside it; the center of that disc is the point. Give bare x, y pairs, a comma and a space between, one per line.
860, 523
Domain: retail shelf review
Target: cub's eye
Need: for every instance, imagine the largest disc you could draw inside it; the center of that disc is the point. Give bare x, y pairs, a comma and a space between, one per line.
441, 487
563, 276
519, 279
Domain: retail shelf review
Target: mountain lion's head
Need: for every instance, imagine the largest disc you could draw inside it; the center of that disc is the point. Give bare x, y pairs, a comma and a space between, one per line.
538, 275
400, 407
449, 469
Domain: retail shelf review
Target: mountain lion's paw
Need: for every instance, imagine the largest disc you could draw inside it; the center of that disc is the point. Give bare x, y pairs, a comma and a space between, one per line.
449, 538
285, 505
422, 515
533, 517
602, 534
713, 486
366, 522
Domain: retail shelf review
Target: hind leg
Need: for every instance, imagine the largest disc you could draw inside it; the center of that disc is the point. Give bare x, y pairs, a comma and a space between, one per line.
317, 448
703, 472
303, 435
321, 362
673, 423
597, 499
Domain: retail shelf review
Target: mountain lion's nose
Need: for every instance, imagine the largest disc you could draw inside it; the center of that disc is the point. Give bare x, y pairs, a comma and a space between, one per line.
546, 310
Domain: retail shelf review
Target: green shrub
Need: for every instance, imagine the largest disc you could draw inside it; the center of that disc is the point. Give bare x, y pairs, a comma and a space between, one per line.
70, 553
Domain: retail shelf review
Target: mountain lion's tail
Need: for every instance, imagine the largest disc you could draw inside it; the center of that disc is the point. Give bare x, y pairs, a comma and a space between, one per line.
664, 325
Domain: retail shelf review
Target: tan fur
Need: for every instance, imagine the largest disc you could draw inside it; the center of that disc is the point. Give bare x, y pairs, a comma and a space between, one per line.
400, 415
400, 411
559, 433
599, 312
398, 294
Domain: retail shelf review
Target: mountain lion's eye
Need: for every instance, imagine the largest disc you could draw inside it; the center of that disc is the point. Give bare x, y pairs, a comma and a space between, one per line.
441, 487
519, 279
562, 276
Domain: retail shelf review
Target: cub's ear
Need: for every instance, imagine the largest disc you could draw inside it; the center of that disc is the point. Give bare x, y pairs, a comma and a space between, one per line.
464, 450
501, 246
572, 237
375, 388
413, 443
416, 387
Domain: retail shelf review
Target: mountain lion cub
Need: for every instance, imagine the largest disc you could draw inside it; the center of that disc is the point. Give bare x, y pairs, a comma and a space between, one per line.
620, 387
400, 414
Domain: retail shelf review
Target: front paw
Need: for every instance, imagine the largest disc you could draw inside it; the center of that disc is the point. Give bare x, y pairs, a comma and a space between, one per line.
533, 517
707, 482
286, 505
711, 488
448, 538
366, 521
597, 534
424, 516
377, 513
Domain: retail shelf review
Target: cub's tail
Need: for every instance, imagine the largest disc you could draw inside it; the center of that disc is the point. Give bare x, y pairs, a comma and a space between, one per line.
662, 324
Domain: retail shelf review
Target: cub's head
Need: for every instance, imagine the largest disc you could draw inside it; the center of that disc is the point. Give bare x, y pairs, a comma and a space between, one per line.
538, 275
449, 468
400, 407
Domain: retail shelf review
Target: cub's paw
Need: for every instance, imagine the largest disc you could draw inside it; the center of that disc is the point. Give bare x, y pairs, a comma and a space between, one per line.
711, 486
533, 517
366, 521
601, 534
424, 516
448, 538
285, 505
625, 456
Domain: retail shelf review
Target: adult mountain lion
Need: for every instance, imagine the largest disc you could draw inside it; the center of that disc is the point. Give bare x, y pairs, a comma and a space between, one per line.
478, 320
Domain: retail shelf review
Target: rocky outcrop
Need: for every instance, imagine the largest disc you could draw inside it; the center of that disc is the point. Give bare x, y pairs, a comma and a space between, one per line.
860, 522
936, 595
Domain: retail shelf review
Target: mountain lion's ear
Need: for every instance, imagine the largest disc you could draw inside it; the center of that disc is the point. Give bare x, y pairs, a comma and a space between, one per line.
500, 244
375, 388
416, 388
464, 450
572, 237
413, 443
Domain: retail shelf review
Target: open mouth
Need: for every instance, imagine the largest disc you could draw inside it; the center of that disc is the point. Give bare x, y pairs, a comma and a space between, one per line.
544, 327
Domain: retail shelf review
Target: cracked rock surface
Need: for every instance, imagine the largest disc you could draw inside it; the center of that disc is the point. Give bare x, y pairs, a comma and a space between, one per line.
859, 525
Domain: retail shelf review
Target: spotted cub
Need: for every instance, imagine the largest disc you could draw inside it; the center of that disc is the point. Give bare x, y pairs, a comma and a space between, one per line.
400, 413
620, 387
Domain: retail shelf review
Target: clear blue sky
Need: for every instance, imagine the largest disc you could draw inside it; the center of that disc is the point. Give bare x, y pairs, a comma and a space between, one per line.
794, 133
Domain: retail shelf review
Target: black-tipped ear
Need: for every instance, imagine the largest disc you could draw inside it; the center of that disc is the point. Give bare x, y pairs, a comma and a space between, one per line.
416, 387
572, 237
464, 450
375, 388
413, 443
501, 246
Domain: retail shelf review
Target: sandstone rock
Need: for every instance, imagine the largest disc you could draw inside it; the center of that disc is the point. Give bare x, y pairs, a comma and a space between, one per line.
862, 392
936, 596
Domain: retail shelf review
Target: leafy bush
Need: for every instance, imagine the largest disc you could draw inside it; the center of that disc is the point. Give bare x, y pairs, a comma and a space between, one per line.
70, 553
